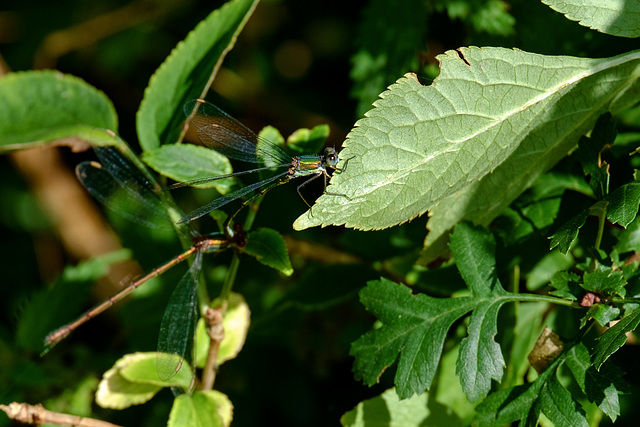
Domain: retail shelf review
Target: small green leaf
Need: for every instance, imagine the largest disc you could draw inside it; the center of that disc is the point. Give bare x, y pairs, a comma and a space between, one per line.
602, 388
188, 72
143, 369
623, 204
568, 232
508, 405
480, 359
556, 403
117, 392
589, 153
474, 250
134, 380
38, 107
614, 338
601, 313
578, 360
615, 18
268, 247
605, 281
208, 408
185, 162
308, 141
413, 329
567, 285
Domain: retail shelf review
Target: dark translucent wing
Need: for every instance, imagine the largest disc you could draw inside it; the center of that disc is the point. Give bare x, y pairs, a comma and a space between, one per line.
177, 330
120, 186
223, 200
221, 132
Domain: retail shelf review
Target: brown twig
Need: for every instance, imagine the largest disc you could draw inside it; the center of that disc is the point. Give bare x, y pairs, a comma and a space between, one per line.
38, 415
215, 330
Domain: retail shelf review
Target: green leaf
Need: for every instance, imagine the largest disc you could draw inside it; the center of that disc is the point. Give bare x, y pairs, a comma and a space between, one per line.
508, 405
480, 358
601, 313
308, 141
605, 281
567, 285
614, 338
601, 388
38, 107
133, 380
143, 369
623, 204
568, 232
268, 247
556, 403
57, 304
431, 148
413, 329
589, 153
414, 326
615, 18
387, 409
208, 408
188, 72
185, 162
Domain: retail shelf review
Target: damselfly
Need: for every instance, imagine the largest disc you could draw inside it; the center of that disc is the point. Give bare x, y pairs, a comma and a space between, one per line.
221, 132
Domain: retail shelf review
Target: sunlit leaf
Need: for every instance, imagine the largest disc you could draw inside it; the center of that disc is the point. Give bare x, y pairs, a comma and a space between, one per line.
188, 72
38, 107
467, 145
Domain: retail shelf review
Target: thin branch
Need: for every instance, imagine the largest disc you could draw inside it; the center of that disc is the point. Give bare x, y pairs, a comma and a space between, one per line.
38, 415
215, 330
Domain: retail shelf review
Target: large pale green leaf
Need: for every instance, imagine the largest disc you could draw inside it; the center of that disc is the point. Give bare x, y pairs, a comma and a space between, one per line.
43, 106
470, 143
188, 72
618, 18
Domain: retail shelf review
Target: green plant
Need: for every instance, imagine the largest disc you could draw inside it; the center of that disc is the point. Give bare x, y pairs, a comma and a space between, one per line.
514, 305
